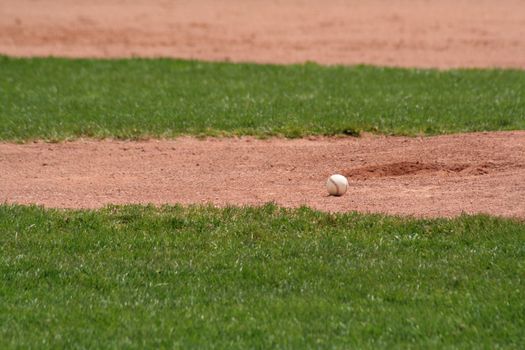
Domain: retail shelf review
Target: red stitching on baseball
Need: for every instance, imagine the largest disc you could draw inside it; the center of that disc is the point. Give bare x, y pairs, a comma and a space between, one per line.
337, 187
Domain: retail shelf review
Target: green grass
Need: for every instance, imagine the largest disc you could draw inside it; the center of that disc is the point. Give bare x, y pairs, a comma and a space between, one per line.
240, 278
55, 99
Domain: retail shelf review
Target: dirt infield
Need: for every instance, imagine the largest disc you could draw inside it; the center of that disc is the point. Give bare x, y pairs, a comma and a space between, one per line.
435, 176
415, 33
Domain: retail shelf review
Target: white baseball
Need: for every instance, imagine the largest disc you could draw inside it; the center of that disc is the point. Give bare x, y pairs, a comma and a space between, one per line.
337, 185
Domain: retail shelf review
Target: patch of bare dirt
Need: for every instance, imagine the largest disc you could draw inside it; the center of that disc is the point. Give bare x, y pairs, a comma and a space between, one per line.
415, 33
434, 176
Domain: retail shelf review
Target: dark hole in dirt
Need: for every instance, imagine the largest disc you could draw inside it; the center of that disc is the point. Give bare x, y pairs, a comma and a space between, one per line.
416, 168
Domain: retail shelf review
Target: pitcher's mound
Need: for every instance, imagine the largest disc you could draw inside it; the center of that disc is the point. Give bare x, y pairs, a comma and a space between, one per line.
434, 176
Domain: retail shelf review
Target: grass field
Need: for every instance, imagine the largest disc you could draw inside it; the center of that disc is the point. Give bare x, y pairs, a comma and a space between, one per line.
55, 99
200, 277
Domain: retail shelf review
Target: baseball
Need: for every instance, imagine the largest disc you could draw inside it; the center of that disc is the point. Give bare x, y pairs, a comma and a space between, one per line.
337, 185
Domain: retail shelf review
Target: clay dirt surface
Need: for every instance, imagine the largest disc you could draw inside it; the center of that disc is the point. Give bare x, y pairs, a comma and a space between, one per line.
410, 33
429, 177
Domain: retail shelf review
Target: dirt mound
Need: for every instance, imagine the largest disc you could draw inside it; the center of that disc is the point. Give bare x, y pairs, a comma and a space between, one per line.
473, 173
406, 168
400, 169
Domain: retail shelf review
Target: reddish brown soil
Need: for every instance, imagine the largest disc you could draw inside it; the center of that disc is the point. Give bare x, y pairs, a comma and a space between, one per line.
435, 176
422, 33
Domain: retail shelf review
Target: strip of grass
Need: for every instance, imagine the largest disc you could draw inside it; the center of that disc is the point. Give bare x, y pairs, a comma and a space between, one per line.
200, 277
54, 99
